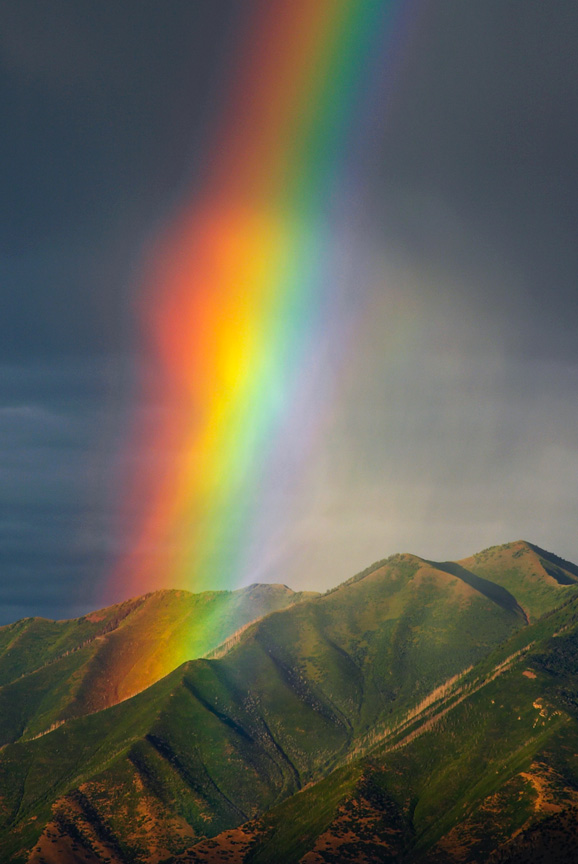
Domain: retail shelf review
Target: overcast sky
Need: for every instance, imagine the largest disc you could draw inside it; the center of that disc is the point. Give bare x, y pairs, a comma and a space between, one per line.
452, 420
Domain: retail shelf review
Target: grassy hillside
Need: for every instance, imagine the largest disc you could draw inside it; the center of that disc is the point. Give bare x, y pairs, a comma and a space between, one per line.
539, 580
51, 671
488, 773
218, 742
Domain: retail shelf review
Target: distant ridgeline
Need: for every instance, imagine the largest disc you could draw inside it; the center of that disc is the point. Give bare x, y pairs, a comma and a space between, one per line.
419, 712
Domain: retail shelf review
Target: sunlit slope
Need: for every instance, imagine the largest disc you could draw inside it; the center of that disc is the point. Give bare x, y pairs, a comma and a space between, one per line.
539, 580
54, 670
488, 774
217, 742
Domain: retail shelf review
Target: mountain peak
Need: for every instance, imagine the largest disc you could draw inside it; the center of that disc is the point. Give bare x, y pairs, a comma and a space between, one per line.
535, 577
266, 586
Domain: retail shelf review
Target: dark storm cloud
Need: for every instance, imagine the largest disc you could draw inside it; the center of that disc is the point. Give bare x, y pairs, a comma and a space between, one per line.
103, 106
52, 449
484, 132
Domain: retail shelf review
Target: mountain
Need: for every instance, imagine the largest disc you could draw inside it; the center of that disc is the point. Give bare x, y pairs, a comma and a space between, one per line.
487, 772
419, 712
51, 671
537, 578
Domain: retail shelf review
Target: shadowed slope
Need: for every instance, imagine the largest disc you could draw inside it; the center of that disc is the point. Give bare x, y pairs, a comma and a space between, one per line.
558, 568
489, 589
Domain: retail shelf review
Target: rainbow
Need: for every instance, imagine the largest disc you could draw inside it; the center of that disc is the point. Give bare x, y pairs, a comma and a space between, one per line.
240, 283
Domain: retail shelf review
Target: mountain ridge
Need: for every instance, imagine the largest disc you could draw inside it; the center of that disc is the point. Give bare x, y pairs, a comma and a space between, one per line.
304, 701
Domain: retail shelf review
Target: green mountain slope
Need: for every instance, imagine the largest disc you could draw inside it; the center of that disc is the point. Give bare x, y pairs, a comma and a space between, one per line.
218, 742
488, 773
51, 671
538, 579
